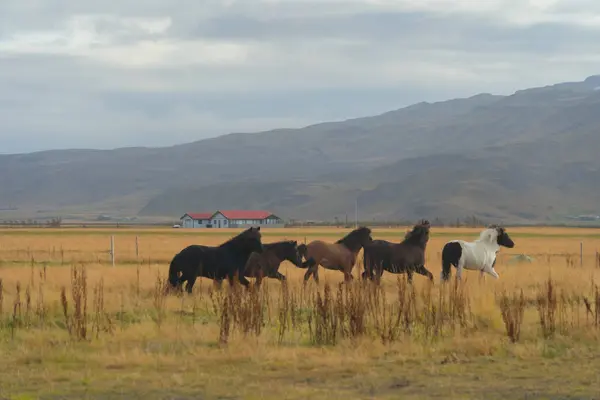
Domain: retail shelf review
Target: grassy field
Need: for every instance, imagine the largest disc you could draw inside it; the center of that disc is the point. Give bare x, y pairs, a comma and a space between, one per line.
74, 327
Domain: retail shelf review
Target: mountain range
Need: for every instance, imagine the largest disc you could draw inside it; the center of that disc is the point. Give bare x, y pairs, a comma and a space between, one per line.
527, 157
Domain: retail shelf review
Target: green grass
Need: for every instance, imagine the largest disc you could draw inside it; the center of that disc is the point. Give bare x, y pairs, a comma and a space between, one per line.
72, 371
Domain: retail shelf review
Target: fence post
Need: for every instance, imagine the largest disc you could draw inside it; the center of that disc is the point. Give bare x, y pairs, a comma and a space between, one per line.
581, 254
137, 247
112, 249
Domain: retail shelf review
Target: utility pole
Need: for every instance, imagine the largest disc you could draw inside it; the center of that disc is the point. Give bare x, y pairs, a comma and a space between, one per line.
356, 213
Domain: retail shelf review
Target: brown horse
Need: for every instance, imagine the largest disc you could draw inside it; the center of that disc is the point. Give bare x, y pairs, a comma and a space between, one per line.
338, 256
407, 256
266, 264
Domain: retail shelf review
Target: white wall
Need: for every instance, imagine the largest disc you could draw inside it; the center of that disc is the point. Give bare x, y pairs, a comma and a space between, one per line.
219, 221
200, 223
267, 223
188, 222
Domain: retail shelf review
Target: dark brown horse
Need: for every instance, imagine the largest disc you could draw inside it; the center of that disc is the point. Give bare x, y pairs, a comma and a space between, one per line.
338, 256
266, 264
405, 257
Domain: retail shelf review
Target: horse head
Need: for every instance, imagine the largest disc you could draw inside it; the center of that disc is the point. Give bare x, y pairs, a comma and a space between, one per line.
357, 239
251, 240
297, 261
302, 249
497, 234
363, 235
291, 253
419, 233
424, 223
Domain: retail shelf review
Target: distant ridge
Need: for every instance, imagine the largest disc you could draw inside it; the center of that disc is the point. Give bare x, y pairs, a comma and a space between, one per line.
529, 157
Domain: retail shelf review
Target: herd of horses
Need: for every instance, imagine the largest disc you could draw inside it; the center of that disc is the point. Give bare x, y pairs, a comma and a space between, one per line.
245, 256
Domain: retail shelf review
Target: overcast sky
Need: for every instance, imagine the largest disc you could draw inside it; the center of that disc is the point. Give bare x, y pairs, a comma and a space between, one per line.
94, 74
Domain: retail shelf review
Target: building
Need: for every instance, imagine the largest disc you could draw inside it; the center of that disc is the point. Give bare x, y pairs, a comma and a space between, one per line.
195, 220
232, 219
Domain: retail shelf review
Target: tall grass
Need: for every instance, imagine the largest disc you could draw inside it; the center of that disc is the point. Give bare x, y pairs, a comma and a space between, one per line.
323, 316
95, 298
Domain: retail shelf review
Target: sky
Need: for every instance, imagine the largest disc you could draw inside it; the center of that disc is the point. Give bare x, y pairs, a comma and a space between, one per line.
91, 74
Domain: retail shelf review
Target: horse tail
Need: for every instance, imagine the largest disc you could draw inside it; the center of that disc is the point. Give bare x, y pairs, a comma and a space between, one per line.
174, 269
366, 273
451, 254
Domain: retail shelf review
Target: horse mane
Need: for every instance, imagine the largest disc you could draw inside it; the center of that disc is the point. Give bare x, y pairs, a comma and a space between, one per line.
490, 233
272, 245
350, 240
419, 235
250, 233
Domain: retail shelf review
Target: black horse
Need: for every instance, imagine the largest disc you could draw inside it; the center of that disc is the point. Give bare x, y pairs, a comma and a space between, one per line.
266, 264
215, 262
405, 257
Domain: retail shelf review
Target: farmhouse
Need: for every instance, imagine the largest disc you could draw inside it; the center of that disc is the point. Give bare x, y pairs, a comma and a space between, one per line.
231, 219
195, 220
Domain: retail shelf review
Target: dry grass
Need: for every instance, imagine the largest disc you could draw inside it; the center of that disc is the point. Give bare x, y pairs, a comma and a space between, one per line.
73, 326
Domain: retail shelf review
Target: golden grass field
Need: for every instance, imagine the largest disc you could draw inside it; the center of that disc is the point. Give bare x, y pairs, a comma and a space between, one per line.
440, 341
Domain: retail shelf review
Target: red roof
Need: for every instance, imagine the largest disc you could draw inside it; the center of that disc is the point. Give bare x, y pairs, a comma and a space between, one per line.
200, 215
245, 214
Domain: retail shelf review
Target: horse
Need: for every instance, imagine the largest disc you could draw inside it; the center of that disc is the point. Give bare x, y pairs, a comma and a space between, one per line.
338, 256
215, 262
267, 263
477, 255
407, 256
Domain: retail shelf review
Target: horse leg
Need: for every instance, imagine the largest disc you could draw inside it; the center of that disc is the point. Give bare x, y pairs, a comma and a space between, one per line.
231, 279
190, 283
421, 270
259, 278
279, 276
308, 274
347, 276
490, 271
312, 269
243, 279
366, 265
379, 269
409, 274
459, 270
367, 271
179, 285
378, 276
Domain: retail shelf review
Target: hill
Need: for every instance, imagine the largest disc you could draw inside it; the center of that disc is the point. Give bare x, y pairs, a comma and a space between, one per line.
528, 156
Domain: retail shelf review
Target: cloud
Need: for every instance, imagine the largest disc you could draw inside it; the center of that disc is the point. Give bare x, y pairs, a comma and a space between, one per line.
157, 72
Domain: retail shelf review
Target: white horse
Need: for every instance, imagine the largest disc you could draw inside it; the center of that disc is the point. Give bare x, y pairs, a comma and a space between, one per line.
478, 255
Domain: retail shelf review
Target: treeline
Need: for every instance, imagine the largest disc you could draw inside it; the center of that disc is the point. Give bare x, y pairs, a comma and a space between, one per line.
51, 223
466, 222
